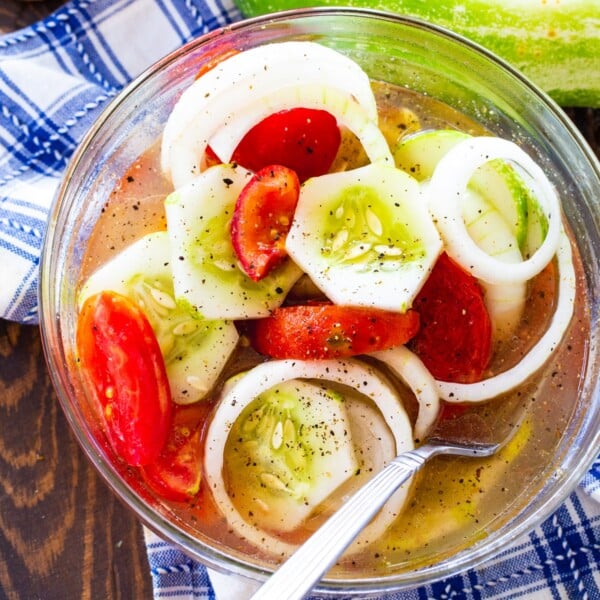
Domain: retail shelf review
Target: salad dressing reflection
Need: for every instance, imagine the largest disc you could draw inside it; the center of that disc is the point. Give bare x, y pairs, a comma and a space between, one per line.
454, 501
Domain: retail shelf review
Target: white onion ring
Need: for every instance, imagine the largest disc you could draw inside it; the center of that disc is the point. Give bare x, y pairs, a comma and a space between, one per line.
539, 354
409, 367
184, 163
321, 95
260, 71
361, 377
264, 69
449, 182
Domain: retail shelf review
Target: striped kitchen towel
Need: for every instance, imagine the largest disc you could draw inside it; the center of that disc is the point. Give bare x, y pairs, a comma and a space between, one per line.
560, 559
55, 78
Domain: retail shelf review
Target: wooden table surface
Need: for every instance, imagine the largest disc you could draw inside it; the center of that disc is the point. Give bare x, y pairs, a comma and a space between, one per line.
63, 535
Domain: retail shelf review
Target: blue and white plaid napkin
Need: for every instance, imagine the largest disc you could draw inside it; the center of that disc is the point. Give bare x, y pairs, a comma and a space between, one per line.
55, 78
560, 559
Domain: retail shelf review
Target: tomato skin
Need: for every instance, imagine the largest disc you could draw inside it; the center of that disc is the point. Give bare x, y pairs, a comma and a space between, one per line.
454, 341
177, 472
121, 360
210, 158
324, 330
305, 140
262, 218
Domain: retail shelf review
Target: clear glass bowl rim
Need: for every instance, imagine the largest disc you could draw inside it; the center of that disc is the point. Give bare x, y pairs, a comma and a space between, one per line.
52, 336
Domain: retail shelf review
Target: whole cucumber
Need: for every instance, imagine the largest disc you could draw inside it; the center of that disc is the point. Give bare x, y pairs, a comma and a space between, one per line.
555, 43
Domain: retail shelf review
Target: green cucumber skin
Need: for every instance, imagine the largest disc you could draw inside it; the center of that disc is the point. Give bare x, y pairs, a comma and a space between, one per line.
555, 44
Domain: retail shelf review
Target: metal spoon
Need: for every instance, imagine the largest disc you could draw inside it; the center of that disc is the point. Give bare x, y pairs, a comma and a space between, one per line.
299, 574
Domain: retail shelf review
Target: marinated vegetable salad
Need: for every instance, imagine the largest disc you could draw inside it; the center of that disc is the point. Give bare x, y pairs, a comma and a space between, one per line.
320, 269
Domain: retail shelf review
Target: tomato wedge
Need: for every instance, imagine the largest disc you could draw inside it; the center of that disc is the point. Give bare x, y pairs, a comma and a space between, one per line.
177, 472
305, 140
122, 362
454, 341
324, 330
262, 218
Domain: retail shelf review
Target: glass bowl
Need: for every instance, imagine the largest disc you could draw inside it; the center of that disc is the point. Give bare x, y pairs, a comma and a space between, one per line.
418, 57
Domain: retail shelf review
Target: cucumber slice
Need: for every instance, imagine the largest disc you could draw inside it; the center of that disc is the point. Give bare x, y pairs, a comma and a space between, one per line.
501, 216
206, 273
365, 236
374, 408
292, 446
450, 182
419, 153
496, 181
537, 230
195, 349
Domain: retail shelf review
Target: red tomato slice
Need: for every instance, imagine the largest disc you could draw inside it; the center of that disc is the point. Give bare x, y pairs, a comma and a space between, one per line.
324, 330
177, 472
454, 340
303, 139
210, 158
121, 359
262, 218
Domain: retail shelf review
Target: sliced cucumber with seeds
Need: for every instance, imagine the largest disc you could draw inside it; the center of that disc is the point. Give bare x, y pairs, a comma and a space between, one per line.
302, 430
195, 349
496, 181
206, 272
365, 236
292, 445
495, 211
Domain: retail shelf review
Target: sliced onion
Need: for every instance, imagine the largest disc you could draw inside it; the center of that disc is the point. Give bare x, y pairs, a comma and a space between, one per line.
260, 71
447, 186
538, 355
491, 232
186, 149
325, 96
505, 304
244, 389
409, 367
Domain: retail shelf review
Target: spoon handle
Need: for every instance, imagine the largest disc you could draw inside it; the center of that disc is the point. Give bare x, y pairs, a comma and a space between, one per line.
298, 575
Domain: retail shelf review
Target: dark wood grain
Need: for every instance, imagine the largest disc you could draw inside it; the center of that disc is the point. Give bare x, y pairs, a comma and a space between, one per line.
15, 14
62, 532
63, 535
